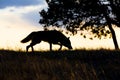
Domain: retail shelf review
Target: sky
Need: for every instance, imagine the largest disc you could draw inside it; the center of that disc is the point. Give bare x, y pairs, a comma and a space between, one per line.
18, 18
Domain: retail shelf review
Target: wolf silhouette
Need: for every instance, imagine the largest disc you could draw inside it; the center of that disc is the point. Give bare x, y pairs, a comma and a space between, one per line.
52, 37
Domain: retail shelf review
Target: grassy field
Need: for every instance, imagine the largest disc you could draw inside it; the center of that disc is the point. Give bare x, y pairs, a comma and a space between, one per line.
60, 65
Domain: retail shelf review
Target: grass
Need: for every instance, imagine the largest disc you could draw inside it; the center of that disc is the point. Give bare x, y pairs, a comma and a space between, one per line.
60, 65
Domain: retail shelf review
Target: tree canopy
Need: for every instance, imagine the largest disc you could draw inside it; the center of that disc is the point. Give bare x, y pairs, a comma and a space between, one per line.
75, 15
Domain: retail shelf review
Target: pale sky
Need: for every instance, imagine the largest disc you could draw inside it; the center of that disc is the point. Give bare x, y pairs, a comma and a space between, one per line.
20, 17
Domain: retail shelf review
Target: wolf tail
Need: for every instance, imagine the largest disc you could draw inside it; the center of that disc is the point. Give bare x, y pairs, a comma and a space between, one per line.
28, 38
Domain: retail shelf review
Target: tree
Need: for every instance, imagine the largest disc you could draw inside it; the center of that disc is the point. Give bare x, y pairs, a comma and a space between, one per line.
91, 15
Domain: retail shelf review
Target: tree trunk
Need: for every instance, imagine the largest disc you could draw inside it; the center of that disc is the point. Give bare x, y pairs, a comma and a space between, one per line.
104, 11
113, 33
113, 37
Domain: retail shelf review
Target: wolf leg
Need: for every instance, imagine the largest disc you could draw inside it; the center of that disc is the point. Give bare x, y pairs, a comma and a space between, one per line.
27, 48
32, 48
50, 46
31, 45
60, 47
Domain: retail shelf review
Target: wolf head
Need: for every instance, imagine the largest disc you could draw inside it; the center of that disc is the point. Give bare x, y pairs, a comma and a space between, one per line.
67, 43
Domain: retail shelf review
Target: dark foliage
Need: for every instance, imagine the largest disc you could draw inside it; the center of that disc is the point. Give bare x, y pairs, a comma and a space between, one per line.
89, 12
97, 16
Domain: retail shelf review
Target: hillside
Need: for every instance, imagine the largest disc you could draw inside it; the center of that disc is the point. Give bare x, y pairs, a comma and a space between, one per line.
60, 65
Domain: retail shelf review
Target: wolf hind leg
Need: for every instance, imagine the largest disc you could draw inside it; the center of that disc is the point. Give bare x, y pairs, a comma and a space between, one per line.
27, 48
31, 45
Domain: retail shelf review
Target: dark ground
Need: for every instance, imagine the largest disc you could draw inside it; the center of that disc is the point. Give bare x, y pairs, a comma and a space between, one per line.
60, 65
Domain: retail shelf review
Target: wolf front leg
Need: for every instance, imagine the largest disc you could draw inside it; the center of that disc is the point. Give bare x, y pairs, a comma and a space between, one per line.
50, 46
60, 47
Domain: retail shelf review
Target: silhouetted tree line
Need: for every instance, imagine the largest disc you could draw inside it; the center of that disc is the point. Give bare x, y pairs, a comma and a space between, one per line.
91, 15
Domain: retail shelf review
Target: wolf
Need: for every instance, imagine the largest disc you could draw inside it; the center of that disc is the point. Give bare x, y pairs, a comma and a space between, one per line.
52, 37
